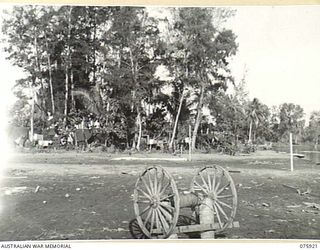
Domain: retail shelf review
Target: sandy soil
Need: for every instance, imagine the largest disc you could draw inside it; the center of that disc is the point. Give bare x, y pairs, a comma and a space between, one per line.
68, 195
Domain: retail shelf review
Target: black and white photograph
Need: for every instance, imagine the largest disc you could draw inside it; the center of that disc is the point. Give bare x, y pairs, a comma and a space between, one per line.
159, 122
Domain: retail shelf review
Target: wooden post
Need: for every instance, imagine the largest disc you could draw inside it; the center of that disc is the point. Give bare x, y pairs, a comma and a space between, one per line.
291, 153
190, 149
207, 216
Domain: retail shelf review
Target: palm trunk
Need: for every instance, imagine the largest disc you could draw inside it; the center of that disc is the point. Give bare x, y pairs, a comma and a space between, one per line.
198, 118
176, 122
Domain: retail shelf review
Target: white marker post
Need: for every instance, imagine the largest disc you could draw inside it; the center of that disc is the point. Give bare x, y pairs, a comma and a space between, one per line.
291, 153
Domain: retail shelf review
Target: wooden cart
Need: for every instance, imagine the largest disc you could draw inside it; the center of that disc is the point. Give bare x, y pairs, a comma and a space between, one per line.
157, 202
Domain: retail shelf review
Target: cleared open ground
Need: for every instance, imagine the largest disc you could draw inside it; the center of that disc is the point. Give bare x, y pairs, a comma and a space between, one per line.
89, 195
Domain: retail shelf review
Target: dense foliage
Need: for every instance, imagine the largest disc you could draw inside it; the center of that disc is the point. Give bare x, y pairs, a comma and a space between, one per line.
131, 76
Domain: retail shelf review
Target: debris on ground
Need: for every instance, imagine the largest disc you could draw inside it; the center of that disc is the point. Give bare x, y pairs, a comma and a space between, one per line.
308, 191
293, 206
67, 195
37, 189
234, 171
300, 192
256, 183
44, 202
271, 231
312, 205
78, 189
95, 177
248, 203
265, 204
299, 155
310, 211
280, 220
119, 229
129, 173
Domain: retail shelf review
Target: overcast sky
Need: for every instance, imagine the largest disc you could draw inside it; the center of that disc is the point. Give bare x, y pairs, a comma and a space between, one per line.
279, 47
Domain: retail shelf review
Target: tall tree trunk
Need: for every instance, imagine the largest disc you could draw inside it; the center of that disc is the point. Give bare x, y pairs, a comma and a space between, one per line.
66, 98
296, 139
94, 46
134, 142
32, 116
198, 118
186, 72
73, 103
37, 58
50, 77
33, 85
250, 132
236, 136
67, 68
176, 121
139, 124
137, 136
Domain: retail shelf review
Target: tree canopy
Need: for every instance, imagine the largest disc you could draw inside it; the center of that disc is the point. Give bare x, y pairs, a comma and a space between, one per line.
98, 68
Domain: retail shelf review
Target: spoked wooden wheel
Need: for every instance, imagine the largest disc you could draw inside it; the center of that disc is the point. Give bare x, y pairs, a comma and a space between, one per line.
216, 183
136, 231
156, 202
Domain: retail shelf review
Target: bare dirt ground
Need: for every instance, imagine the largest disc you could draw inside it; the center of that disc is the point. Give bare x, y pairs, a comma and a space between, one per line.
68, 195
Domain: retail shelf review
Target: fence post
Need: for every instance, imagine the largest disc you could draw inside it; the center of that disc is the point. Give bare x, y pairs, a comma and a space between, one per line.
291, 153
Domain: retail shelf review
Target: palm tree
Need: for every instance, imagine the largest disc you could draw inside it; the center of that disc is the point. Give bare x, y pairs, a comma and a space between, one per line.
255, 114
